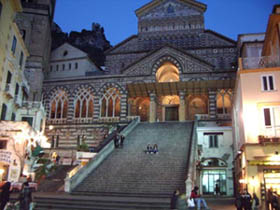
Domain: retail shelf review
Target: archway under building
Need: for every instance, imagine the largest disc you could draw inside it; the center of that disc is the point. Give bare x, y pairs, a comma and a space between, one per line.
170, 108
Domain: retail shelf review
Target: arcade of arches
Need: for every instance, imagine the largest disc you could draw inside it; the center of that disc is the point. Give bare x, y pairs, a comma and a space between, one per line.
167, 99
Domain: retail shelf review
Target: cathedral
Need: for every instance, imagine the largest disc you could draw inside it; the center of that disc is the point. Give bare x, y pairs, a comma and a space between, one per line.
171, 70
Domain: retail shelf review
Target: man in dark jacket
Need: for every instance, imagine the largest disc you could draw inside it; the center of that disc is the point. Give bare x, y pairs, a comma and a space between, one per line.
5, 195
174, 199
246, 200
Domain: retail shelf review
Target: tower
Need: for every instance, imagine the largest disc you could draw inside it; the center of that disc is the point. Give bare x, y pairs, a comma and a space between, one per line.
35, 26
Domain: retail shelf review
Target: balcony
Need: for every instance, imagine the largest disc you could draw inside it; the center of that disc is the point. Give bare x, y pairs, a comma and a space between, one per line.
265, 139
18, 101
33, 105
260, 62
8, 91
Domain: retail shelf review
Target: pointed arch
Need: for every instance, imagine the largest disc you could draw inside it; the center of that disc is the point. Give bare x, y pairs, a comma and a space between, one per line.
110, 102
84, 102
59, 105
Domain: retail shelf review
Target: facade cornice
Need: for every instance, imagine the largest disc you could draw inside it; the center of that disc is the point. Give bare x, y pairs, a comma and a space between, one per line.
202, 7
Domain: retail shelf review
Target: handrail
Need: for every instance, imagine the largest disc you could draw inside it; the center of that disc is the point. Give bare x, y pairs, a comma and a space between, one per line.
191, 159
71, 182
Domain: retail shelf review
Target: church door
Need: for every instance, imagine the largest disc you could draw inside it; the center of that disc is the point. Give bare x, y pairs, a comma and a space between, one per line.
171, 113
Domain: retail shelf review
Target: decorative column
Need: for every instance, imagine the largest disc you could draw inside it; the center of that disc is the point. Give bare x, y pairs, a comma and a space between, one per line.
153, 108
182, 107
212, 103
70, 113
96, 108
123, 114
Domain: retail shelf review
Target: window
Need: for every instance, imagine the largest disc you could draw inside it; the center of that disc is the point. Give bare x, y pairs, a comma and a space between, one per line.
13, 117
28, 119
21, 59
59, 106
267, 119
110, 103
57, 142
51, 69
14, 45
3, 144
76, 65
69, 65
213, 141
268, 83
0, 8
17, 89
4, 111
63, 67
9, 77
84, 104
57, 67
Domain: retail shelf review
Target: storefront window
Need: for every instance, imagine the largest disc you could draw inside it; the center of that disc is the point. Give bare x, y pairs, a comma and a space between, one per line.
212, 177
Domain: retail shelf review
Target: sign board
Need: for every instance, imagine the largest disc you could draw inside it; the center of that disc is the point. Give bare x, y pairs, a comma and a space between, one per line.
5, 156
67, 161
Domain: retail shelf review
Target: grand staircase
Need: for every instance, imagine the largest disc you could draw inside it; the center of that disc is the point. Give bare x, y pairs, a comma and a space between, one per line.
131, 179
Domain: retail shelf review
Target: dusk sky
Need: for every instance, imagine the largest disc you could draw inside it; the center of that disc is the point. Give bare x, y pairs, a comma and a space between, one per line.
228, 17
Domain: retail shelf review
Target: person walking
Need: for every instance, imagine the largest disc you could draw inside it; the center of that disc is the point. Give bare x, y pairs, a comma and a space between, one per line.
5, 194
238, 201
174, 199
217, 189
25, 197
256, 202
155, 149
116, 140
198, 199
121, 140
269, 196
246, 200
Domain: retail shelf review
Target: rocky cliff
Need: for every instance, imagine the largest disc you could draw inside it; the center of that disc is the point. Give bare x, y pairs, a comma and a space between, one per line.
93, 42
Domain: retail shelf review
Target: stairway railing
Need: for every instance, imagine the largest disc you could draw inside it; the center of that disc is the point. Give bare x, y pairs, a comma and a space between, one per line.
191, 161
74, 179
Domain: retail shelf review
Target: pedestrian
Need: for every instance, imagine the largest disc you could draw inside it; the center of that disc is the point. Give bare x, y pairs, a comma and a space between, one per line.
275, 204
174, 199
217, 189
269, 196
116, 140
5, 194
246, 200
256, 202
122, 140
25, 197
198, 199
149, 149
155, 149
238, 201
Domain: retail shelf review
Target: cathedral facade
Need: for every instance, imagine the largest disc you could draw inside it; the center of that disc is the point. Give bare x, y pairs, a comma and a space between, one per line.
171, 70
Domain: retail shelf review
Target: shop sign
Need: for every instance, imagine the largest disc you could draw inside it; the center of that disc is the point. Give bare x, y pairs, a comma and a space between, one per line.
67, 161
5, 156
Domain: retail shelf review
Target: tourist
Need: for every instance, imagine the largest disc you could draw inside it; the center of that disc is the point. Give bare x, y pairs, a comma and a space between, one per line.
238, 201
122, 140
198, 199
5, 194
269, 196
174, 199
256, 202
149, 149
25, 197
155, 149
217, 189
246, 200
116, 140
275, 204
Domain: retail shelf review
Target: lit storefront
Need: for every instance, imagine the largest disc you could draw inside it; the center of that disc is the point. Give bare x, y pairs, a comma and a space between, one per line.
17, 142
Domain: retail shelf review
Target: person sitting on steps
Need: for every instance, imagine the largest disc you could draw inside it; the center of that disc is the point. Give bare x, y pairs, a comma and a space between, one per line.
149, 149
155, 149
197, 198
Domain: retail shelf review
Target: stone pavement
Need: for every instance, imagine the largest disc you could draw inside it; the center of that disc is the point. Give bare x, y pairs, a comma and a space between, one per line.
223, 203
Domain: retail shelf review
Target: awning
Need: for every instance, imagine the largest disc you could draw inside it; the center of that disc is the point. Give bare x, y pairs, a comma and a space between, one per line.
173, 88
263, 163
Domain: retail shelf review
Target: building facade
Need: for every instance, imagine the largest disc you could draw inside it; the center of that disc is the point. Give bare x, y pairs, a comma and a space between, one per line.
171, 70
256, 111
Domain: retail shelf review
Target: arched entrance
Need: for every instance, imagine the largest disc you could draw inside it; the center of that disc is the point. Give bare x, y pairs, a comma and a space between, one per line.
168, 72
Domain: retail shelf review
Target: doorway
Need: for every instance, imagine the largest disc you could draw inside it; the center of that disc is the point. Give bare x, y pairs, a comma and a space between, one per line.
171, 113
211, 178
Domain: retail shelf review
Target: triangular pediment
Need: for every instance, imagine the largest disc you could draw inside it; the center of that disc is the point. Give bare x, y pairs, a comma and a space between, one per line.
186, 62
169, 8
67, 51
